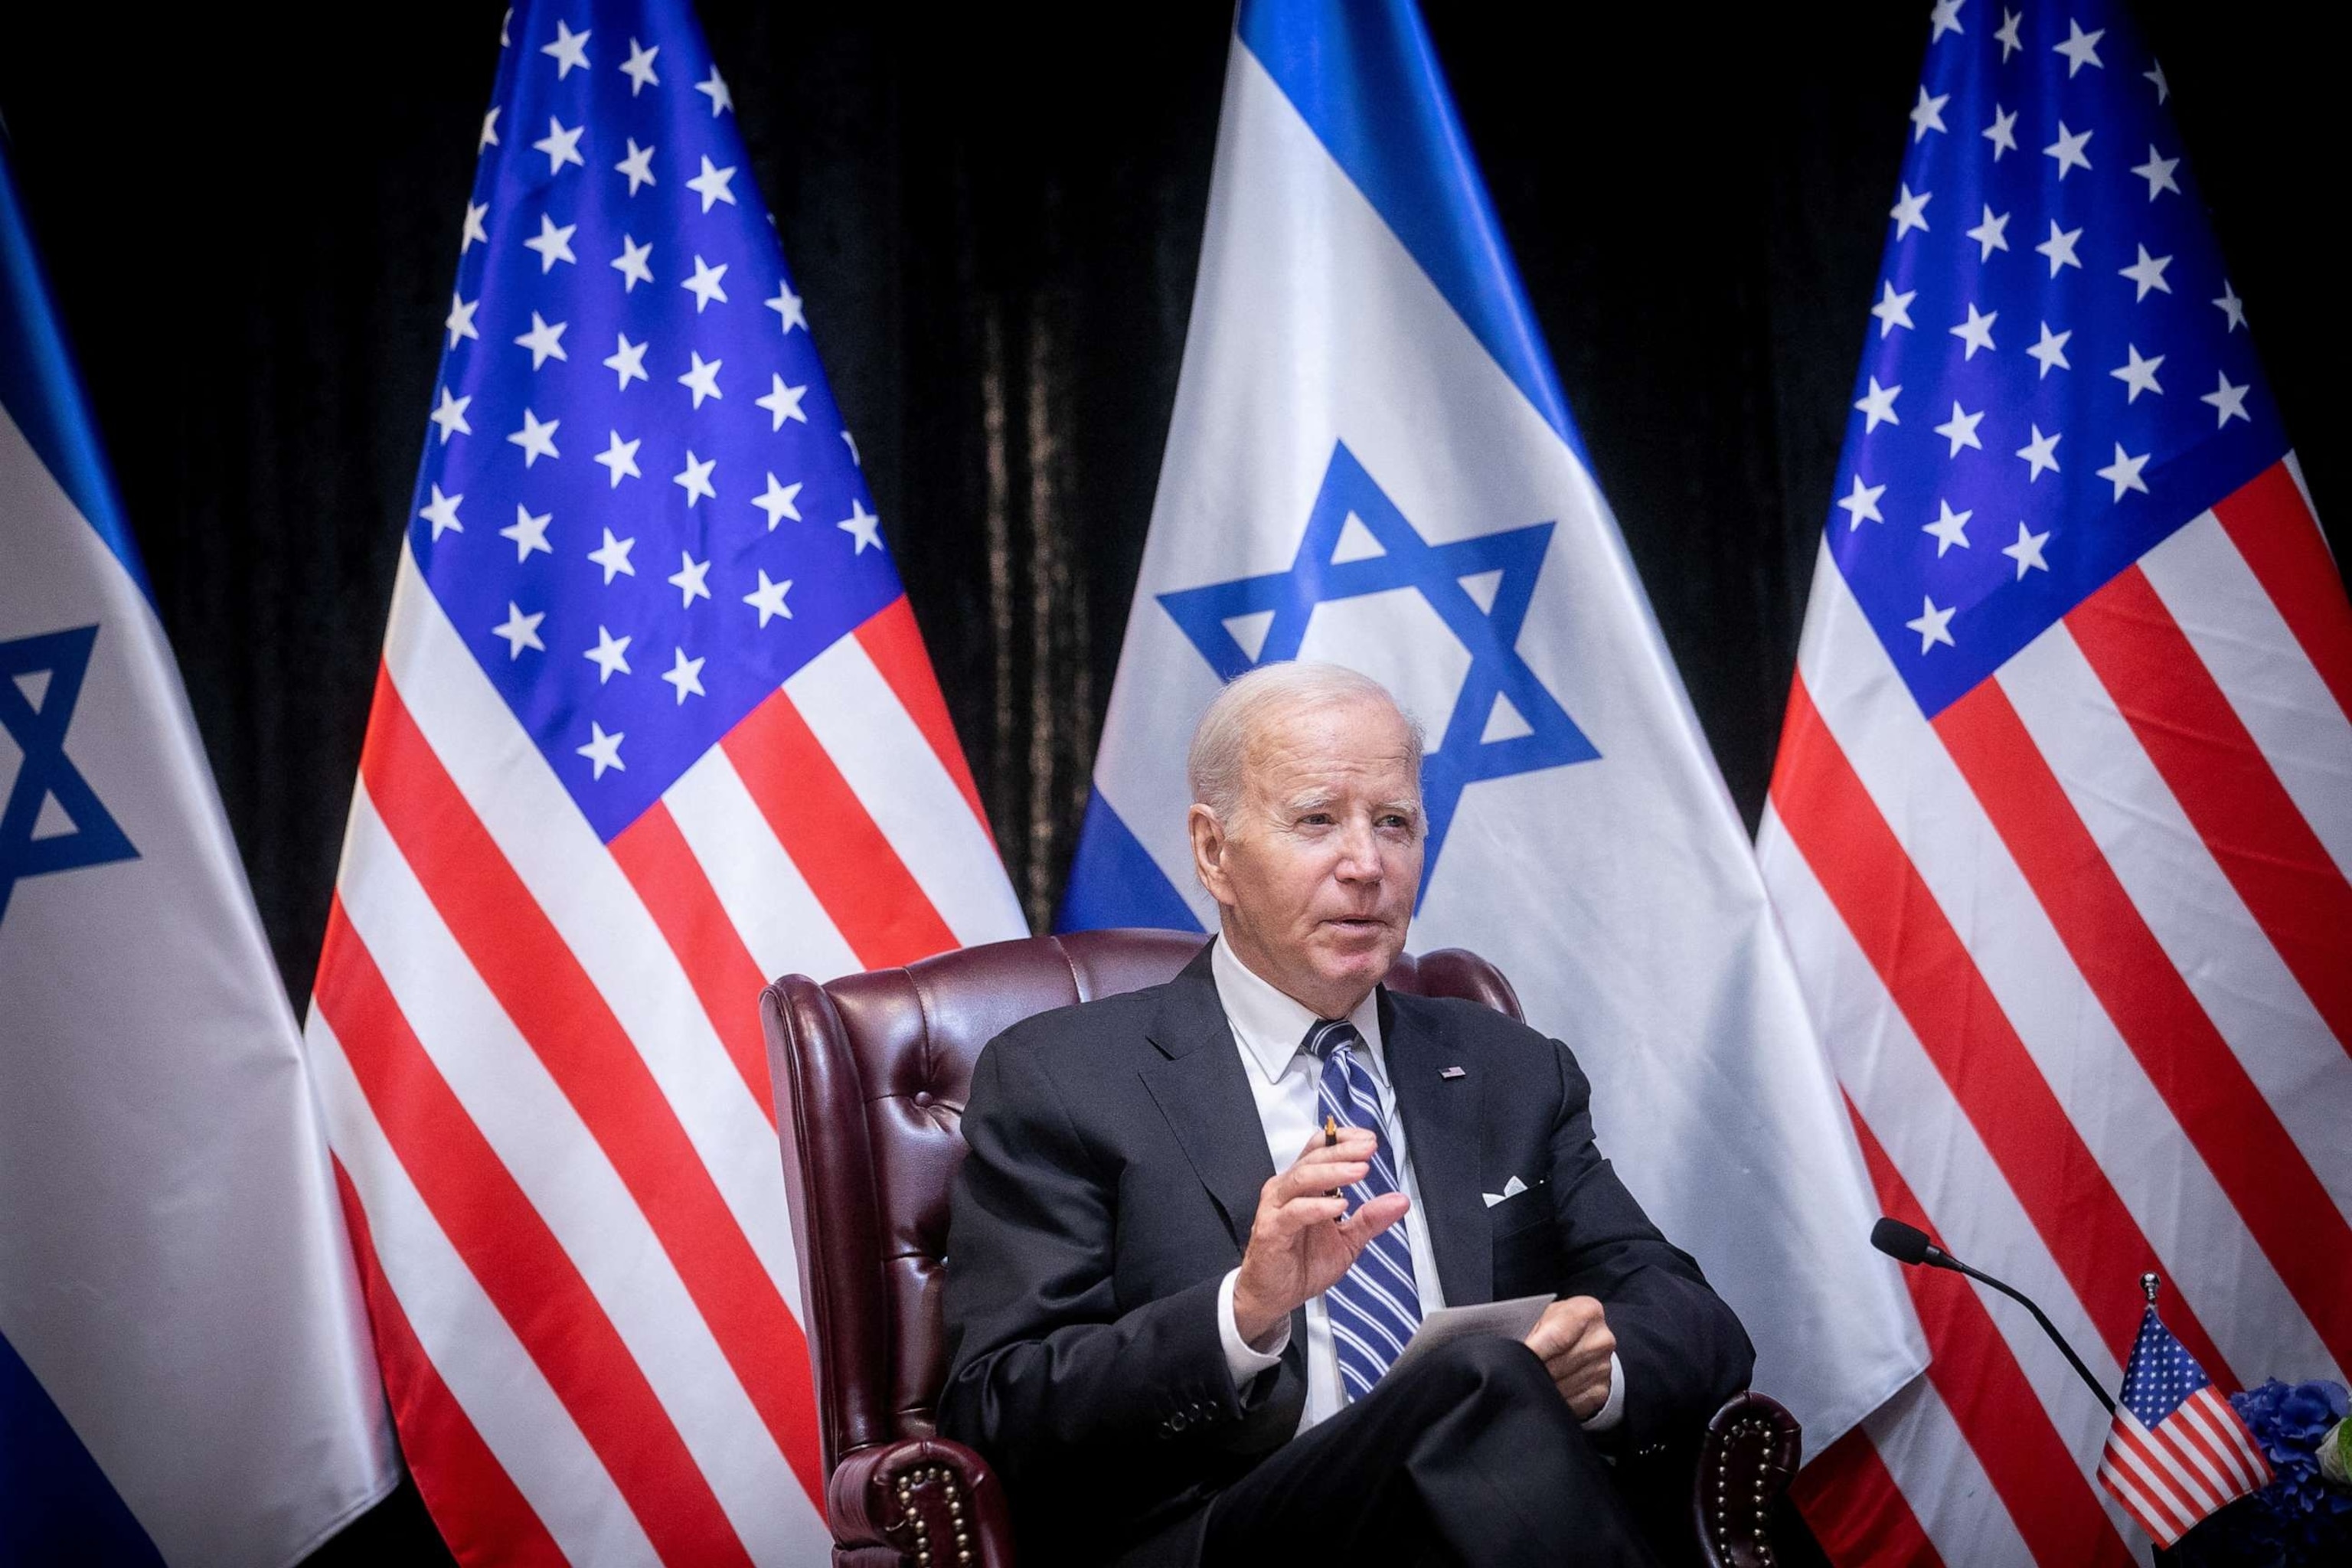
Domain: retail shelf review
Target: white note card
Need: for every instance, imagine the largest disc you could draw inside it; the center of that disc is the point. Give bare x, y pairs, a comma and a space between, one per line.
1512, 1319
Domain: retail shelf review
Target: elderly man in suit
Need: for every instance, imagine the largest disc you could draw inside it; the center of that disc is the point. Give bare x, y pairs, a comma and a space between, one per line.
1173, 1297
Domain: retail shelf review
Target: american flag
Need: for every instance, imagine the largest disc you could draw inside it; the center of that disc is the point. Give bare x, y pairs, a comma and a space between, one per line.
653, 724
2061, 819
2176, 1452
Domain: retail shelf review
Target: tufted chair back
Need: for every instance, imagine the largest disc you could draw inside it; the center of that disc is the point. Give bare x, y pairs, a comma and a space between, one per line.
870, 1075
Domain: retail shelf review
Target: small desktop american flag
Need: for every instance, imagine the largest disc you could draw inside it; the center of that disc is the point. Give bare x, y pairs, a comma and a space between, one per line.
2176, 1452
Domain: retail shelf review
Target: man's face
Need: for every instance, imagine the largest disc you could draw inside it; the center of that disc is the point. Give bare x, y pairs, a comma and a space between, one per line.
1316, 871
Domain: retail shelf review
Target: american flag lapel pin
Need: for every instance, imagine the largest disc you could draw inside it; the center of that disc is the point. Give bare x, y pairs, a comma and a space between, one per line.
1451, 1072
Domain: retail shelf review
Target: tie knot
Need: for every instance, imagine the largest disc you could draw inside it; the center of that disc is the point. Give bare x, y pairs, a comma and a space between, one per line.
1329, 1035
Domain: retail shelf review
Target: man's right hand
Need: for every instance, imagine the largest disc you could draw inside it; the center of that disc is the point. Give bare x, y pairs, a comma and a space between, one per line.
1303, 1238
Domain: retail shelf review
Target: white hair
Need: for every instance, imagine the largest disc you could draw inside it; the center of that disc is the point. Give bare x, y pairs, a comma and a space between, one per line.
1221, 740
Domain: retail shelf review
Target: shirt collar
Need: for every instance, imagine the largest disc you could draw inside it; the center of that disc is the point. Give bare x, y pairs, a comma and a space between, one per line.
1270, 1024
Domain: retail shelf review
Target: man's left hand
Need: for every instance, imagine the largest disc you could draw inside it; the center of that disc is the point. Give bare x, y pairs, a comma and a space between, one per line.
1573, 1339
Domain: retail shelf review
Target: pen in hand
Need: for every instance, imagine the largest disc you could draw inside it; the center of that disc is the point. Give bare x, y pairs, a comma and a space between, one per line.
1330, 1137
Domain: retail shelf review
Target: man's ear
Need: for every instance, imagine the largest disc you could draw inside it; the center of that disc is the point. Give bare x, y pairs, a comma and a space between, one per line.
1209, 852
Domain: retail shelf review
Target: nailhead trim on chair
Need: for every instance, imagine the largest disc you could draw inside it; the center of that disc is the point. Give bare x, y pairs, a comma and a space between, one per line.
1758, 1431
923, 1475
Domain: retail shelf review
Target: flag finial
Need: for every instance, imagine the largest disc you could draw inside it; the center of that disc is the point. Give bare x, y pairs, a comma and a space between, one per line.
2148, 1283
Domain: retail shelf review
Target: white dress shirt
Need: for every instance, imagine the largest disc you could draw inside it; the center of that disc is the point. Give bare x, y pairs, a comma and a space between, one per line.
1269, 1028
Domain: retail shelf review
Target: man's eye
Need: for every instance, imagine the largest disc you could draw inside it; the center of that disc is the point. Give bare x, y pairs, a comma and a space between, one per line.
1315, 819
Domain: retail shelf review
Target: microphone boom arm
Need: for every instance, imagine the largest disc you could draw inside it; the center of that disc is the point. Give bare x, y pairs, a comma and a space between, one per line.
2020, 1297
1909, 1244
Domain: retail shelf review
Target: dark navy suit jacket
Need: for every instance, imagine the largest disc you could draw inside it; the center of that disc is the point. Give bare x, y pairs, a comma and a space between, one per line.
1116, 1157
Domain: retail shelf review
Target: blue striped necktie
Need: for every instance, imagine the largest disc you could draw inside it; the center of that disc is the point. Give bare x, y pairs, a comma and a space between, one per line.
1375, 1306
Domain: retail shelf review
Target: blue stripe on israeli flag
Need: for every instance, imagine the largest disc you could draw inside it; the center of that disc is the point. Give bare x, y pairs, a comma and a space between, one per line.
39, 389
1363, 75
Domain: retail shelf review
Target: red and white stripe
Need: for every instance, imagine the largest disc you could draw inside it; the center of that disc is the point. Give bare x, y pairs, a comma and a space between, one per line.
2081, 949
548, 1100
2189, 1465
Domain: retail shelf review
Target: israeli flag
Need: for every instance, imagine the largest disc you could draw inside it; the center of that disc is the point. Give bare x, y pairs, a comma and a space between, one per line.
185, 1375
1371, 463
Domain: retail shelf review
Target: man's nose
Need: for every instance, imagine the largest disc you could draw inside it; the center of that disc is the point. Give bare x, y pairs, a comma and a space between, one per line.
1359, 853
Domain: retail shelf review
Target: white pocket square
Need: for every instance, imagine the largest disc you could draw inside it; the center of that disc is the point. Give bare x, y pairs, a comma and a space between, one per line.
1511, 1189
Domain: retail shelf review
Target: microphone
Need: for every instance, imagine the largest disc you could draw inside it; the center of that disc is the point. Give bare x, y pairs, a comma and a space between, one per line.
1909, 1244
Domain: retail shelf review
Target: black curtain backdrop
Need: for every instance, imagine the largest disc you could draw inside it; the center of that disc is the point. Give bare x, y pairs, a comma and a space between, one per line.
251, 216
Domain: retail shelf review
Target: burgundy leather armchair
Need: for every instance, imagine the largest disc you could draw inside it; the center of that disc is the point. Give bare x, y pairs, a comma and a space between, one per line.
870, 1074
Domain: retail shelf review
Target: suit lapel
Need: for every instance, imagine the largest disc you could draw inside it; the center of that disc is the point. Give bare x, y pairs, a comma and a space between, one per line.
1441, 1125
1201, 1088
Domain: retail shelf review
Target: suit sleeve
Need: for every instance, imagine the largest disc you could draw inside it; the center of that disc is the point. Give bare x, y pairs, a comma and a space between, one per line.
1682, 1349
1043, 1368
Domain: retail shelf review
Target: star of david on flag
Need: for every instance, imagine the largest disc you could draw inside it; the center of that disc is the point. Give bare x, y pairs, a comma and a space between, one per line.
1504, 721
1371, 462
53, 820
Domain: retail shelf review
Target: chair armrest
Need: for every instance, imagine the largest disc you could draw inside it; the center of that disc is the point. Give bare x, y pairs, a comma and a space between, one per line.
932, 1501
1745, 1467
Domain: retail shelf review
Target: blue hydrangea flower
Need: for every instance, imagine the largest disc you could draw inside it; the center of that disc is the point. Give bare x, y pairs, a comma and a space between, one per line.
2299, 1518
